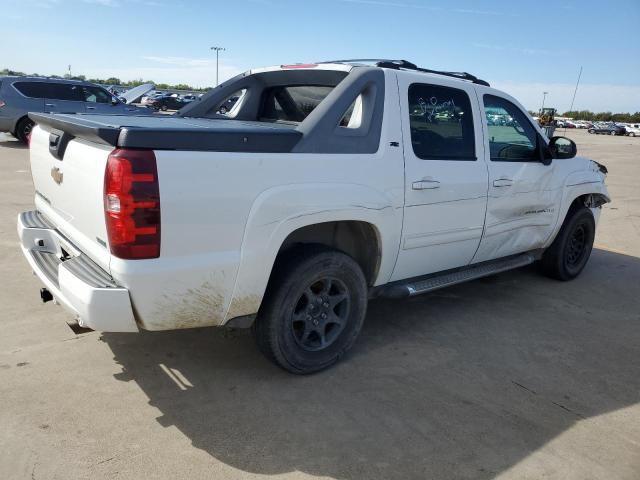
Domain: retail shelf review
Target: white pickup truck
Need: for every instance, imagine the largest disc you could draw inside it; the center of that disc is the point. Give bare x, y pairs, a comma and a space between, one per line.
322, 186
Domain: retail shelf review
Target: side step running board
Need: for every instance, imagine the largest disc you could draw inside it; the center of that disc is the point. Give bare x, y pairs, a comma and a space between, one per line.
429, 283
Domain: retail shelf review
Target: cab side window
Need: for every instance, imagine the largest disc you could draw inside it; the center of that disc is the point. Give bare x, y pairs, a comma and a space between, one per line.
95, 95
441, 123
65, 91
512, 138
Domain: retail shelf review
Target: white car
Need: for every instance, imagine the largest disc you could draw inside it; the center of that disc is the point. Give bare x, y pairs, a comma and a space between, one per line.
633, 129
326, 185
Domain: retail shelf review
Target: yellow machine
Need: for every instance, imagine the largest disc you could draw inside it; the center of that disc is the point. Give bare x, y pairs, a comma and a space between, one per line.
547, 117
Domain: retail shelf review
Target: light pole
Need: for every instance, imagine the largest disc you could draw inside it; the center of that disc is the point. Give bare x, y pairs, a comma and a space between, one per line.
544, 95
217, 49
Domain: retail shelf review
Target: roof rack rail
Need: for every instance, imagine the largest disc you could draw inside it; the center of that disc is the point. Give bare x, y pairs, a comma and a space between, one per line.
398, 64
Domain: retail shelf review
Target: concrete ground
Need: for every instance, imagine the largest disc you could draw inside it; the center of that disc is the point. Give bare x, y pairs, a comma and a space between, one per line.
513, 377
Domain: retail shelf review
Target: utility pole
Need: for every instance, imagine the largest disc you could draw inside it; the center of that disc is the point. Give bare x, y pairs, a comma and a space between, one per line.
576, 90
544, 95
218, 50
69, 71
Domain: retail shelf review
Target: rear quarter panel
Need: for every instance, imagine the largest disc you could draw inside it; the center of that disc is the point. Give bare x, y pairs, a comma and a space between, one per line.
225, 216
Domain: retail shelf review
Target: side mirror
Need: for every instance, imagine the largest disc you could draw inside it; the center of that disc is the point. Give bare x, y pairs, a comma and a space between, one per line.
562, 147
114, 101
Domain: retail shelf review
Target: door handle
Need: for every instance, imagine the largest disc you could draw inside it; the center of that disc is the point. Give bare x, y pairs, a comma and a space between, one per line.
91, 108
503, 182
49, 104
425, 184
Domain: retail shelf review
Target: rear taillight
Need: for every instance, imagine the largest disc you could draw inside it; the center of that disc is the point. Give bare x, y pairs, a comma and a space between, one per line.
132, 204
2, 104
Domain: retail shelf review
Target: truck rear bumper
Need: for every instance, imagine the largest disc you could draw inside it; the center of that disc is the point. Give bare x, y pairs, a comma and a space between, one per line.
76, 282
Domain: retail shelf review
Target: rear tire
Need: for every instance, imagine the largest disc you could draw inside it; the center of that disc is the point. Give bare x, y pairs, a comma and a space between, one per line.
612, 132
163, 108
313, 310
23, 129
591, 131
568, 254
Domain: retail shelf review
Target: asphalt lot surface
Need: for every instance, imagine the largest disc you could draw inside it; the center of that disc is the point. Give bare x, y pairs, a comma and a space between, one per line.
513, 376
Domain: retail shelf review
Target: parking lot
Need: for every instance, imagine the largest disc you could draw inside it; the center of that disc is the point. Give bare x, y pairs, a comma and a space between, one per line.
513, 376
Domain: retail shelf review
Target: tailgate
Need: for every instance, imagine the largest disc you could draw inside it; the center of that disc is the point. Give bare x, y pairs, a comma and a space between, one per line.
69, 191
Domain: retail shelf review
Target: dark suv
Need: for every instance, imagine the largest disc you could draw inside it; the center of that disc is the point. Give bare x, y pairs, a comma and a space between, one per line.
21, 95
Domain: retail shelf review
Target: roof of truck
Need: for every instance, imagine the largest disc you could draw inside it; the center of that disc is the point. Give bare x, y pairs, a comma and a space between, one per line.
347, 65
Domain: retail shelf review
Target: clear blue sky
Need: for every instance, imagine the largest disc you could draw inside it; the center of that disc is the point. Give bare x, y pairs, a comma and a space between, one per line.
523, 47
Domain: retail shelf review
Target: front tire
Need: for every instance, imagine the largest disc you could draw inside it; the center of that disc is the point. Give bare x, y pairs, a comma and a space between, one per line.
568, 254
313, 310
23, 129
612, 133
591, 131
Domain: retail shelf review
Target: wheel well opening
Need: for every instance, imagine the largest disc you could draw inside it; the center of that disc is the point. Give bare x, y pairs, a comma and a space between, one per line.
359, 240
589, 200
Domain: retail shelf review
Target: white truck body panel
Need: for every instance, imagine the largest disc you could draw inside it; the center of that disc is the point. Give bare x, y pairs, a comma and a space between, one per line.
226, 215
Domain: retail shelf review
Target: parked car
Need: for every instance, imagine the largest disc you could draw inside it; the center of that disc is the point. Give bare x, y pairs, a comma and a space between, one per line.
188, 98
167, 102
21, 95
228, 104
607, 129
147, 99
632, 130
331, 185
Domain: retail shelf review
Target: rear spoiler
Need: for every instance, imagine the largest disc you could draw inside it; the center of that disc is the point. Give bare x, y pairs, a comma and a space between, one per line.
167, 133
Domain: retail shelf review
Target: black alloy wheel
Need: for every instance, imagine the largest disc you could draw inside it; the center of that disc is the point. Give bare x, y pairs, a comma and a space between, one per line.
320, 314
313, 309
569, 253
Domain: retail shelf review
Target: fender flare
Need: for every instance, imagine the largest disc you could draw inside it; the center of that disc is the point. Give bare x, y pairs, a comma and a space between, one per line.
279, 211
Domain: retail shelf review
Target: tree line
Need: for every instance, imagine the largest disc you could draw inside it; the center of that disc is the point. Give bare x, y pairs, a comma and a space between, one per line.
108, 81
603, 116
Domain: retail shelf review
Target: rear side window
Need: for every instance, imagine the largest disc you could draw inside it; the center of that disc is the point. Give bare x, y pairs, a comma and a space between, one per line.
512, 138
291, 103
441, 123
33, 89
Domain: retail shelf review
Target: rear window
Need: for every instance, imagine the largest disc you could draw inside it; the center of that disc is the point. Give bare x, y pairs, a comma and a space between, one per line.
291, 103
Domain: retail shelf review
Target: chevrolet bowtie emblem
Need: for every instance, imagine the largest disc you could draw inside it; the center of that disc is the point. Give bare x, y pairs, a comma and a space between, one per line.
57, 175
